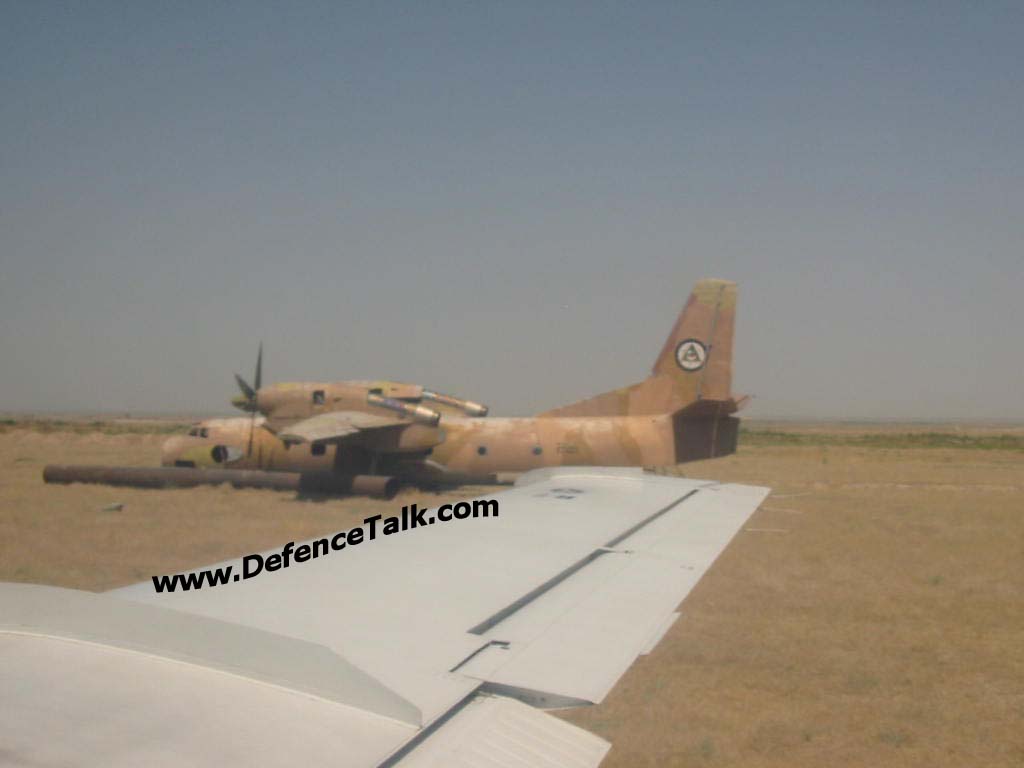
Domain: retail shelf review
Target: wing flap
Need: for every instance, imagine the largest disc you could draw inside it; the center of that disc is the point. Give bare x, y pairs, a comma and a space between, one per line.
502, 733
580, 637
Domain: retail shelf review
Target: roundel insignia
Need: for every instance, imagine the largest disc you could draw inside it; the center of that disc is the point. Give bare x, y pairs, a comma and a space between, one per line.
691, 355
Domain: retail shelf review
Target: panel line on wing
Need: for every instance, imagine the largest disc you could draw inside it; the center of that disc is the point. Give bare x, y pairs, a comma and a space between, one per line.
648, 520
478, 651
424, 733
518, 604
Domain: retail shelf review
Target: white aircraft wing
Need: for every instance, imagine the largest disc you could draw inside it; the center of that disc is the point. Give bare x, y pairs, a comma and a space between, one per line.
435, 645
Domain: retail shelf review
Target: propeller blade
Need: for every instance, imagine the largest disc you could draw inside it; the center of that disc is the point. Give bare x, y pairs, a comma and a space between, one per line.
258, 381
259, 367
243, 385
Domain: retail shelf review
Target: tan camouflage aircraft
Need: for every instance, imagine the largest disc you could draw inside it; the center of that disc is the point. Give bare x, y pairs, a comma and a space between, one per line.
681, 412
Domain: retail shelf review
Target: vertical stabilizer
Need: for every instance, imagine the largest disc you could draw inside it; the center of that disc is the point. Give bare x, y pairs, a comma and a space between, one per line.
697, 355
695, 363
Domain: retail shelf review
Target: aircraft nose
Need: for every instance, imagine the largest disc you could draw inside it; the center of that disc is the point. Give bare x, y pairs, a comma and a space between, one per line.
170, 450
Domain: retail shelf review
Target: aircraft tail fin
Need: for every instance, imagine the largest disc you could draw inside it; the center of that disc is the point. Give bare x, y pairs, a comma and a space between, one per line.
694, 366
697, 354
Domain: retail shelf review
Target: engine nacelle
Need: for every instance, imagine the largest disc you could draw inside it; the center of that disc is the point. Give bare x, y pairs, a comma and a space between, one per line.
418, 413
466, 406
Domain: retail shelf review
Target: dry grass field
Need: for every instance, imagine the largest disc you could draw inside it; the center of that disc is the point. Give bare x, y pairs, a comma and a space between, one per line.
870, 613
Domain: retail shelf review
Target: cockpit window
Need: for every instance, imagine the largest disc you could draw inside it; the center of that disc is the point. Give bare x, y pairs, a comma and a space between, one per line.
318, 397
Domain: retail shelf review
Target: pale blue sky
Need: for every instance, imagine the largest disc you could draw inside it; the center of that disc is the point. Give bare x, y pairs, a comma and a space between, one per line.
511, 201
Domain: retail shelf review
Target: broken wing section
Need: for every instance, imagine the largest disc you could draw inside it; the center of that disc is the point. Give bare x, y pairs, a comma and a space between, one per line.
330, 427
373, 432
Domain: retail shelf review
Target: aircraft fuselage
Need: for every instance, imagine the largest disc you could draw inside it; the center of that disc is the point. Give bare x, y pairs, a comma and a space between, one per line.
474, 447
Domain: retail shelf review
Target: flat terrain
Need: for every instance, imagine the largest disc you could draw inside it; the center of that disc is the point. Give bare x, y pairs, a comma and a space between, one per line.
871, 612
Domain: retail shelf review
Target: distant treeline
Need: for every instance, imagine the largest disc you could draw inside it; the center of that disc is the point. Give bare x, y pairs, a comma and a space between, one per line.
883, 439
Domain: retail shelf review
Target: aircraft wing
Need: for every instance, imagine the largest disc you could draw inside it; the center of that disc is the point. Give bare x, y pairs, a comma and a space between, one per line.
437, 645
333, 426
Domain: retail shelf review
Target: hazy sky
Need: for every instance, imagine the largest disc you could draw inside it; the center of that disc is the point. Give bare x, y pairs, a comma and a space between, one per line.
511, 201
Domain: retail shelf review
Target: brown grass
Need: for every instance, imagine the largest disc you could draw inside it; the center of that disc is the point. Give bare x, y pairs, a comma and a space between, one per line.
871, 613
62, 535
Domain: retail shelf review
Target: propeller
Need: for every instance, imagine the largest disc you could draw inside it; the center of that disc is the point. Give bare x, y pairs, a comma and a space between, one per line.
249, 399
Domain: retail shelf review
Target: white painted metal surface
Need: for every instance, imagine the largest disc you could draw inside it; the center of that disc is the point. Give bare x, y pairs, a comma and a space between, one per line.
401, 607
30, 609
498, 732
70, 701
548, 603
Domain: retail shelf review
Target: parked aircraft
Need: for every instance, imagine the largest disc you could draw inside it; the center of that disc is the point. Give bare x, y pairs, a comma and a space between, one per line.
351, 431
681, 412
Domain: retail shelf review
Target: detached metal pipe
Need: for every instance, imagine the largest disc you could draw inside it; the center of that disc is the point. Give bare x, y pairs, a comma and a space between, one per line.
357, 485
174, 477
189, 477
